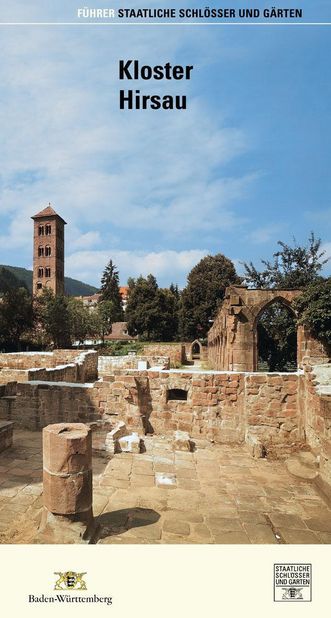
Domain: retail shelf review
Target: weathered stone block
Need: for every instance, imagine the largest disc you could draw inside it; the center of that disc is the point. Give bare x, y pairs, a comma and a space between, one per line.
6, 434
131, 443
67, 494
182, 441
112, 437
255, 446
67, 448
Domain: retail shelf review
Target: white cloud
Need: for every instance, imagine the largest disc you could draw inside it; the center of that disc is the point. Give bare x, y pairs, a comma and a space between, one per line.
166, 266
84, 241
265, 234
62, 131
19, 235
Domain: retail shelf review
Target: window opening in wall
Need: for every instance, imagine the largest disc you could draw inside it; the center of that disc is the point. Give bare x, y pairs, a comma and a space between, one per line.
48, 229
40, 251
41, 230
39, 285
47, 272
40, 272
176, 394
48, 251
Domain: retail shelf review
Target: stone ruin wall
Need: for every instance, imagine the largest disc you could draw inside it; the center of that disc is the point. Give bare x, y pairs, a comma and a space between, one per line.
109, 364
60, 366
233, 345
232, 340
283, 412
219, 407
35, 360
203, 351
310, 351
315, 404
37, 405
175, 352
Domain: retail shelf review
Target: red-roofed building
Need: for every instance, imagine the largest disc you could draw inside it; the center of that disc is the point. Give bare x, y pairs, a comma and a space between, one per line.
93, 299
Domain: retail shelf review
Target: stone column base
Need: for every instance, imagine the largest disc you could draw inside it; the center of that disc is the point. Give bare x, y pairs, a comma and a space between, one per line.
66, 529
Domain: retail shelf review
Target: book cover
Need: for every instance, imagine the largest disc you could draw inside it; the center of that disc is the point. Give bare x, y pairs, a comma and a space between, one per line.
165, 307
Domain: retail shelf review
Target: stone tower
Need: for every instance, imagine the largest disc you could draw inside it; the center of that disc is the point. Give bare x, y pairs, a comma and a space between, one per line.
48, 251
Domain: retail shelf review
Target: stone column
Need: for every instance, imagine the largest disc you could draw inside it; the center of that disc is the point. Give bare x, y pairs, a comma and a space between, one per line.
67, 480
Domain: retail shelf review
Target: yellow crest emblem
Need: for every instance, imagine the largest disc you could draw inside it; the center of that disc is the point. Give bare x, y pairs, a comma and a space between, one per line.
70, 580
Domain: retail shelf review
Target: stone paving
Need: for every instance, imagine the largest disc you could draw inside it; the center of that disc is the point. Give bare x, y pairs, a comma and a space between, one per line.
217, 494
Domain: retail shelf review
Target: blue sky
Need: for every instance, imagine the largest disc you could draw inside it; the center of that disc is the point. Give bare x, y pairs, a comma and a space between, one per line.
247, 164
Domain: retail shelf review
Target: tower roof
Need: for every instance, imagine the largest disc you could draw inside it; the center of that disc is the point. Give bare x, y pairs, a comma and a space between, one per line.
47, 212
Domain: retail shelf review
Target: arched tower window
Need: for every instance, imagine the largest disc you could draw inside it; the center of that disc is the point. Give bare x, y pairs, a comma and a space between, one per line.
40, 251
48, 251
48, 229
47, 272
41, 230
40, 272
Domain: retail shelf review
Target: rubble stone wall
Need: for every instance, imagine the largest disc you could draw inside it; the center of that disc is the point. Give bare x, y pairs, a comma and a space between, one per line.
13, 375
62, 366
28, 360
38, 405
107, 364
175, 351
6, 435
281, 411
315, 403
220, 406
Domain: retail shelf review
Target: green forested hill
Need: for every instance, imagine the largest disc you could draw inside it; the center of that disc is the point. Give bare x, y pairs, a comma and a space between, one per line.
9, 281
13, 276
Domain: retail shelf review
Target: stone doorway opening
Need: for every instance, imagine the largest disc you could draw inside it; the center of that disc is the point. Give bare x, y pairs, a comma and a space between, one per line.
276, 338
196, 350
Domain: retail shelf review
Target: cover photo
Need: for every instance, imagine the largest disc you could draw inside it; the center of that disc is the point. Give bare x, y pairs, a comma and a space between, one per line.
165, 291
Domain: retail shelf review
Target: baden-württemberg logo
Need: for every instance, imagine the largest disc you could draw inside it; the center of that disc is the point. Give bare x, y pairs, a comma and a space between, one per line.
292, 582
69, 582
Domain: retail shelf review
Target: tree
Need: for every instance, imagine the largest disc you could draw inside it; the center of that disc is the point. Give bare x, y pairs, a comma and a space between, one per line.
104, 317
176, 305
314, 310
141, 311
80, 322
53, 314
204, 294
110, 291
277, 339
167, 324
152, 312
292, 267
15, 316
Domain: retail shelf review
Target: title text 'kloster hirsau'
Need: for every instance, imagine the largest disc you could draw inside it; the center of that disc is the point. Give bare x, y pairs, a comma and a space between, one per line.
133, 99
